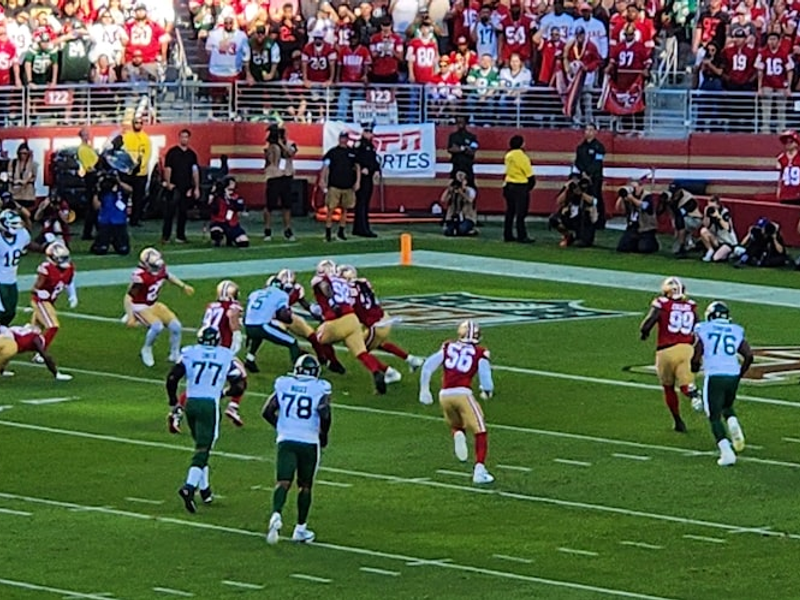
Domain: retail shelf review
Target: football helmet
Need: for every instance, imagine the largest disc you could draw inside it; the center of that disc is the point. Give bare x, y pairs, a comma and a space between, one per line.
307, 365
673, 288
10, 223
347, 272
717, 310
326, 267
208, 336
151, 259
469, 331
227, 290
286, 277
58, 254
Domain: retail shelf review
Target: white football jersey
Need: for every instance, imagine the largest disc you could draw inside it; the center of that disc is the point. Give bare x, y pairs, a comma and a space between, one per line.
207, 369
299, 398
10, 254
263, 304
721, 340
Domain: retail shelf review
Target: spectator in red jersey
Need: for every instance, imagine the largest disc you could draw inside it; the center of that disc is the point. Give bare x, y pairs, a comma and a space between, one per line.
446, 92
739, 75
617, 22
517, 29
629, 63
147, 36
551, 53
319, 71
423, 60
463, 16
775, 67
354, 64
582, 58
9, 60
788, 165
386, 48
462, 59
344, 26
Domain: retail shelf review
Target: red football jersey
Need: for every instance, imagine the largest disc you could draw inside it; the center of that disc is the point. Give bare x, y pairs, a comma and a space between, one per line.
676, 320
368, 309
319, 62
517, 37
425, 57
461, 363
464, 17
789, 179
145, 36
342, 296
296, 294
552, 53
149, 285
740, 64
216, 316
224, 210
630, 59
55, 280
26, 337
354, 64
8, 56
383, 52
775, 66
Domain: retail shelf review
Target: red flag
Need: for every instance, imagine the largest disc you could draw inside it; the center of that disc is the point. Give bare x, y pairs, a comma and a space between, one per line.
629, 101
571, 95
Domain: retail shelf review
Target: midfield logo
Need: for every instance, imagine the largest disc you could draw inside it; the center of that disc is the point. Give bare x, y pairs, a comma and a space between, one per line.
445, 310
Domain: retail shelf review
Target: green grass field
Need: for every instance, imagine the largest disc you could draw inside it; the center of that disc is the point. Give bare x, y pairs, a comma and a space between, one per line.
595, 496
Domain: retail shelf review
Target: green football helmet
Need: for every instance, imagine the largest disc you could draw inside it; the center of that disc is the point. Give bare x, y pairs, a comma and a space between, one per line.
208, 336
717, 310
307, 365
10, 223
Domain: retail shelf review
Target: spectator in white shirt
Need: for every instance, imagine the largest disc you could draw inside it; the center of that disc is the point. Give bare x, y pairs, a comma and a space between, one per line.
514, 80
595, 29
106, 37
557, 18
324, 22
19, 32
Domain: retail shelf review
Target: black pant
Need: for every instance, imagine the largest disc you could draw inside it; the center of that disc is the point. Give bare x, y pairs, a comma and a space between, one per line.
517, 198
361, 212
111, 235
597, 192
639, 243
138, 197
90, 217
175, 204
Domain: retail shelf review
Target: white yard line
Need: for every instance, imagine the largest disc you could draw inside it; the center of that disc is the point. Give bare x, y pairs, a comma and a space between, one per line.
376, 571
241, 584
641, 545
791, 440
703, 538
578, 552
5, 407
638, 457
453, 473
42, 401
433, 562
26, 585
517, 559
144, 501
514, 468
333, 483
173, 592
16, 513
312, 578
576, 463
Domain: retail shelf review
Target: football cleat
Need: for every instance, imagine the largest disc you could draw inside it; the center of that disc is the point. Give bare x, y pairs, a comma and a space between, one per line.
326, 267
58, 254
274, 531
391, 375
726, 454
232, 413
207, 496
347, 272
469, 331
673, 288
737, 435
187, 495
680, 426
414, 362
227, 290
460, 446
38, 359
147, 356
303, 535
337, 367
174, 418
480, 475
251, 366
63, 376
697, 404
380, 382
207, 336
717, 310
306, 365
10, 223
151, 260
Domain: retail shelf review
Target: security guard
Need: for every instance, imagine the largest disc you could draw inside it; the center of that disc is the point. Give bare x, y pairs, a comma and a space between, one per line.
367, 158
589, 156
340, 180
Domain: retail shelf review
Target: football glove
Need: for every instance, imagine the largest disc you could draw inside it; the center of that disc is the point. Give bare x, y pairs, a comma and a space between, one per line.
323, 440
425, 397
485, 395
174, 419
73, 301
643, 335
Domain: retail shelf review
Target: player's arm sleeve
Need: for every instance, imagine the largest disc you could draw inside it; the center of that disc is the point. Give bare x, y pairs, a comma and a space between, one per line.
236, 343
38, 285
270, 410
485, 375
747, 356
72, 293
175, 375
433, 362
697, 357
649, 322
325, 418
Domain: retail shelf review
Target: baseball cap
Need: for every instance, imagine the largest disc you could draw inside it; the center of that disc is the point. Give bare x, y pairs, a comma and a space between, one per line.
461, 41
318, 35
261, 29
140, 6
368, 126
584, 6
579, 30
789, 134
343, 134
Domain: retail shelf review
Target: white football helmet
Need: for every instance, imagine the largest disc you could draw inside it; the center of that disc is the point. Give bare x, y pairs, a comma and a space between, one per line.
58, 254
10, 223
347, 272
286, 277
326, 267
227, 290
151, 259
673, 288
470, 332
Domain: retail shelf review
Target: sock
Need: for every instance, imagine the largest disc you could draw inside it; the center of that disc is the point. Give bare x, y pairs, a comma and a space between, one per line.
174, 336
152, 333
182, 399
194, 476
279, 498
690, 391
234, 403
372, 364
717, 428
321, 351
396, 350
295, 352
724, 445
267, 232
480, 447
303, 505
204, 482
49, 334
328, 233
671, 398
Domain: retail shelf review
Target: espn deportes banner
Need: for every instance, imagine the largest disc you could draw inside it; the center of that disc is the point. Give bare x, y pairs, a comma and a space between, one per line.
404, 150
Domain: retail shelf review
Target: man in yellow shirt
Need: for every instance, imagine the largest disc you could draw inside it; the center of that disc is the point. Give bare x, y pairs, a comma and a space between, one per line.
137, 143
87, 159
518, 183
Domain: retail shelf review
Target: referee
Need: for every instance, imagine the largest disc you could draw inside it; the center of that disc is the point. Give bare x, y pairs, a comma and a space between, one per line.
518, 183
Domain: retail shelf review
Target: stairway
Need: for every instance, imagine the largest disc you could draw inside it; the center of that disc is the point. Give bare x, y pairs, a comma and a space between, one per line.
667, 115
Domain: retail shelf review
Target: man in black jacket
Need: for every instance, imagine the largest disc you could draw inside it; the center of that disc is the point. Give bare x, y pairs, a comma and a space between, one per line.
589, 156
367, 158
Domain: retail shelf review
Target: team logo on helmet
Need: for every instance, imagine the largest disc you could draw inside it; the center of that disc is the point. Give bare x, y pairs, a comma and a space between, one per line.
347, 272
469, 332
10, 223
151, 259
307, 365
717, 310
58, 254
673, 288
227, 290
208, 336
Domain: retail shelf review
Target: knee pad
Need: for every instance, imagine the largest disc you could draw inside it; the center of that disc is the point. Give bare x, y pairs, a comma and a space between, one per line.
216, 234
175, 326
157, 327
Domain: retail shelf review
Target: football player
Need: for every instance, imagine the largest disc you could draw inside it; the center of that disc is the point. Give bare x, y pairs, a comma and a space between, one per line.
299, 326
224, 315
14, 242
377, 324
340, 323
207, 366
28, 338
143, 308
53, 276
719, 341
461, 361
264, 307
675, 315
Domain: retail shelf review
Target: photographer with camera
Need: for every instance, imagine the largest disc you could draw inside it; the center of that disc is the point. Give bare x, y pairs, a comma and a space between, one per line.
460, 215
112, 204
763, 246
640, 219
54, 216
717, 234
576, 214
686, 217
226, 205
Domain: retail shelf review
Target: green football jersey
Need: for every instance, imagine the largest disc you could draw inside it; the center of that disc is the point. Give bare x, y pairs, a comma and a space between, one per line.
42, 62
75, 63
